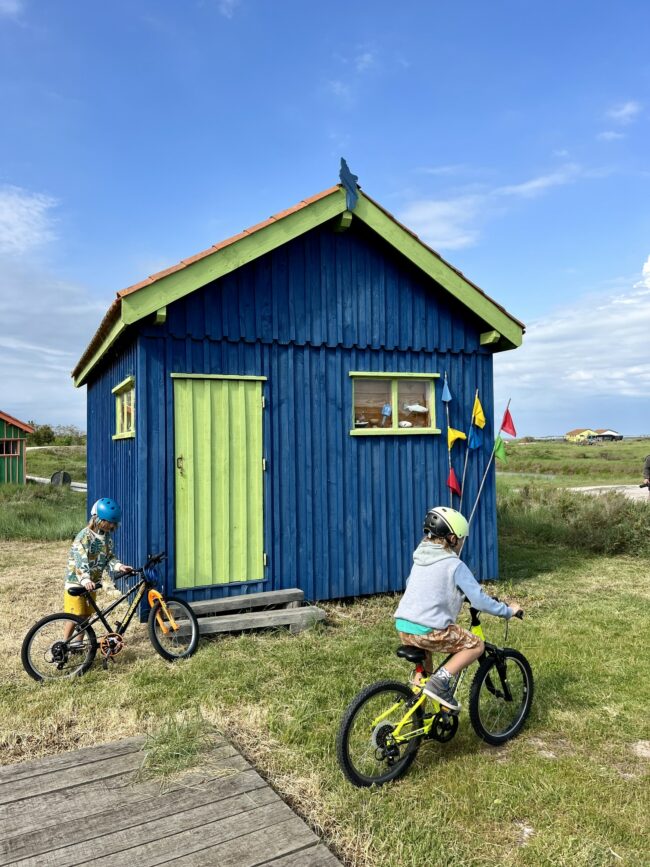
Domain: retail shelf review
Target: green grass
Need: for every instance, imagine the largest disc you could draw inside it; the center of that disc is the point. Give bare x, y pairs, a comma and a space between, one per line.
576, 776
41, 512
604, 463
45, 461
607, 524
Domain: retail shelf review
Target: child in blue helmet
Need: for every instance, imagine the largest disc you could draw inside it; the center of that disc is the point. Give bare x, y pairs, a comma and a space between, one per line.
91, 554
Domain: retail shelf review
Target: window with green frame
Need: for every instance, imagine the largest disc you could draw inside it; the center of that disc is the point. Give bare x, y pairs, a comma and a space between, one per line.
124, 408
393, 403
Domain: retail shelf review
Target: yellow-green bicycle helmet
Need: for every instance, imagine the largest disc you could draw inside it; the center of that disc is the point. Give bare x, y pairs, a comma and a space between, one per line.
440, 521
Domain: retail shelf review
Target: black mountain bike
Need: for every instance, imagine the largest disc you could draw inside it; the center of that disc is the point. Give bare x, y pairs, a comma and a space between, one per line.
384, 725
47, 654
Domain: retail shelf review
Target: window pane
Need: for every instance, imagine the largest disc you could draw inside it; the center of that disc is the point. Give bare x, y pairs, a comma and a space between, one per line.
372, 403
413, 403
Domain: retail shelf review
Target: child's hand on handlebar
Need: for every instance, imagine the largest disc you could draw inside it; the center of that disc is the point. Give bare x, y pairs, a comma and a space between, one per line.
517, 610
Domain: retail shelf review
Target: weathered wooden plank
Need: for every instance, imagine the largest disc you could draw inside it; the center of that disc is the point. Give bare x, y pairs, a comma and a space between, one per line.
115, 817
192, 832
303, 617
150, 843
313, 856
72, 759
247, 601
253, 849
47, 810
68, 777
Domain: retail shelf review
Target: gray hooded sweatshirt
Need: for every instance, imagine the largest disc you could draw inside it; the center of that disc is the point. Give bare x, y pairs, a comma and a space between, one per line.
437, 586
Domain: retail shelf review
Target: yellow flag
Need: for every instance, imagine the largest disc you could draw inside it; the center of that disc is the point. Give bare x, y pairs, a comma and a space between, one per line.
453, 435
478, 417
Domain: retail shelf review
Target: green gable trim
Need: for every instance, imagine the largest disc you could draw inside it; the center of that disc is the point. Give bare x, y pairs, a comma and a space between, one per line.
444, 274
490, 337
152, 298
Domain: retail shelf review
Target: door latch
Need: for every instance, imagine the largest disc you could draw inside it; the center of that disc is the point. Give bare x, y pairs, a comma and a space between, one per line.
179, 464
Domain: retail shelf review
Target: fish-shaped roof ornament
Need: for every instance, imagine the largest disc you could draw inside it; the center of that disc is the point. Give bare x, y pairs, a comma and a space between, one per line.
350, 185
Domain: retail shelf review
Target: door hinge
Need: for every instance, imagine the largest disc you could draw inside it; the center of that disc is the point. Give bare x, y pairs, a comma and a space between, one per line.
263, 465
266, 559
263, 402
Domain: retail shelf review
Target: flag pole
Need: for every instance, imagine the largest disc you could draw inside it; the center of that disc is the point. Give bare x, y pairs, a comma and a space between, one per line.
487, 470
451, 493
462, 484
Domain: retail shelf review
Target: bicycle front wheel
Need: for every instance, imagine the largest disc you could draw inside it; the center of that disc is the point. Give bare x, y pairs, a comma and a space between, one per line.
501, 696
55, 648
177, 640
366, 748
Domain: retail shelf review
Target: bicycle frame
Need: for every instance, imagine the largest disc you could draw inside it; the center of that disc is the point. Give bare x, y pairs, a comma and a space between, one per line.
100, 614
490, 650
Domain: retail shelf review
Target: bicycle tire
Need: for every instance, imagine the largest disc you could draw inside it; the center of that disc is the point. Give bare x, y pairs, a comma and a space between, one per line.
375, 738
487, 699
167, 646
30, 651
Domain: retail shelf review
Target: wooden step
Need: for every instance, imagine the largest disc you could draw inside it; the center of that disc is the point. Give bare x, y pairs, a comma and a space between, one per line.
296, 619
248, 602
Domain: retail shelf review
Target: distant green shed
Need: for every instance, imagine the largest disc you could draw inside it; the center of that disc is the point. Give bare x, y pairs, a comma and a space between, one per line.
12, 449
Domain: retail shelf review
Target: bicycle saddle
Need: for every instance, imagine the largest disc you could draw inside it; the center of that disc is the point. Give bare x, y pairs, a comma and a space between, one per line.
413, 654
80, 590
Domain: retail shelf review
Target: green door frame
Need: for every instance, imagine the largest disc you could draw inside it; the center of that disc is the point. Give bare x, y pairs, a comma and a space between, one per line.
218, 480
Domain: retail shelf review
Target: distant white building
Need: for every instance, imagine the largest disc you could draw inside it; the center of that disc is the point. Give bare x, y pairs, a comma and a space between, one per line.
601, 435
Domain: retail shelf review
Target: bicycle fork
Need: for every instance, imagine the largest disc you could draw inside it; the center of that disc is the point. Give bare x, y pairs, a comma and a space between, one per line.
153, 597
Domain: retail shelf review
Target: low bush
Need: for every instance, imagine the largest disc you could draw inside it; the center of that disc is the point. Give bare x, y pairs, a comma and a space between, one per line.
606, 524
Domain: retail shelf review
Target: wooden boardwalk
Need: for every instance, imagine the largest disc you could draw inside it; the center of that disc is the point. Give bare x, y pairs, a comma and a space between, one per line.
87, 808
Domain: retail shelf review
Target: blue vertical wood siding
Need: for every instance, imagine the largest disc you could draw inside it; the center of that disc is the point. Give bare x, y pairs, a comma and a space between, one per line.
342, 513
112, 463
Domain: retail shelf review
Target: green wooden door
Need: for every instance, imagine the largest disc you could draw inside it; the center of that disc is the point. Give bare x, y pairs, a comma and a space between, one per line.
218, 471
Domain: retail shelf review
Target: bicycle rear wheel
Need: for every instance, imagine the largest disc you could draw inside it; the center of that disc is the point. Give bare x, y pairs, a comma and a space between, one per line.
47, 655
501, 696
170, 643
365, 748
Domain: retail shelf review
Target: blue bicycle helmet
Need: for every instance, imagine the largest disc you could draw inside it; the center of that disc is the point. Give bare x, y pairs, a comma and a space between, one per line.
107, 510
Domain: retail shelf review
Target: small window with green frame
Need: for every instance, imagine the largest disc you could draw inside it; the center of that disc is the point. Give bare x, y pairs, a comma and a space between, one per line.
393, 403
124, 408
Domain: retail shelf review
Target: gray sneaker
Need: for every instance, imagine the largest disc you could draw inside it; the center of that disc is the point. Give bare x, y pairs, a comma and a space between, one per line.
442, 691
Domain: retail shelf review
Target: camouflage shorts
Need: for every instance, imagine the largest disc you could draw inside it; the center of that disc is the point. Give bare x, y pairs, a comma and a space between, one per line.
449, 640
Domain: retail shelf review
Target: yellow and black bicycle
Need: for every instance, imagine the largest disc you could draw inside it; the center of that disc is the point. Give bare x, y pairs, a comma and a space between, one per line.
384, 725
65, 645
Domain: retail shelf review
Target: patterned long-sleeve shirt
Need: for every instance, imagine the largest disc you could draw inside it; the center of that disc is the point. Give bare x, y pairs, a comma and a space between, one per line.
90, 556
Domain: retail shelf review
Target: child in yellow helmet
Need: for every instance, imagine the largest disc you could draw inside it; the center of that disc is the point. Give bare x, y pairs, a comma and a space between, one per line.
435, 591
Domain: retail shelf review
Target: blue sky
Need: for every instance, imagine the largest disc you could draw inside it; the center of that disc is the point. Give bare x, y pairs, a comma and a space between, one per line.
512, 136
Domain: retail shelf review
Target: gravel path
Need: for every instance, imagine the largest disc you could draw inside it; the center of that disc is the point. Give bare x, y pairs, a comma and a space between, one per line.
632, 492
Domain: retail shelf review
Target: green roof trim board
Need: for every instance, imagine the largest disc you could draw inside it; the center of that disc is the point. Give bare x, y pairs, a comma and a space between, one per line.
150, 297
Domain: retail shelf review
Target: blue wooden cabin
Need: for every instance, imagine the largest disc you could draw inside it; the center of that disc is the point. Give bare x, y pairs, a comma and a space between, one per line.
269, 411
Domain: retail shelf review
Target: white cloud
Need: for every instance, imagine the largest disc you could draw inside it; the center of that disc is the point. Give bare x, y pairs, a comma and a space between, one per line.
537, 186
365, 60
610, 135
451, 224
47, 324
444, 224
625, 112
592, 354
25, 220
227, 7
12, 8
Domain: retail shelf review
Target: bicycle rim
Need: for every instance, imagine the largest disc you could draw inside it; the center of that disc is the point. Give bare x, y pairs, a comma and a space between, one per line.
48, 656
366, 749
180, 642
497, 717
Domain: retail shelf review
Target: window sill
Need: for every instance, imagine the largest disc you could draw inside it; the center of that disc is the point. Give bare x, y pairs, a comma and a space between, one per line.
124, 436
358, 432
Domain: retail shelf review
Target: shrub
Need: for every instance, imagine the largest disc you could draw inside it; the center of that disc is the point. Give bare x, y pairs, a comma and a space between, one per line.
606, 524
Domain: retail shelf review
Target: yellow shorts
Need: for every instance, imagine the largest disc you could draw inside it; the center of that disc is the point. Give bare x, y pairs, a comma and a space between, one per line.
78, 604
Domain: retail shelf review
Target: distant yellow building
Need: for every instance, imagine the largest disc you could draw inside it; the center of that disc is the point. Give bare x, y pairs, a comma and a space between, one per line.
580, 434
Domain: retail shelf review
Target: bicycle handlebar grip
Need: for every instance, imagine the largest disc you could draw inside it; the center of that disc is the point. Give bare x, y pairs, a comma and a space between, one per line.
520, 615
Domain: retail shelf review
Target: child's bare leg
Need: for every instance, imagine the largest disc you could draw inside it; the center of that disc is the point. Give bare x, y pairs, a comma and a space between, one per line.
463, 658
